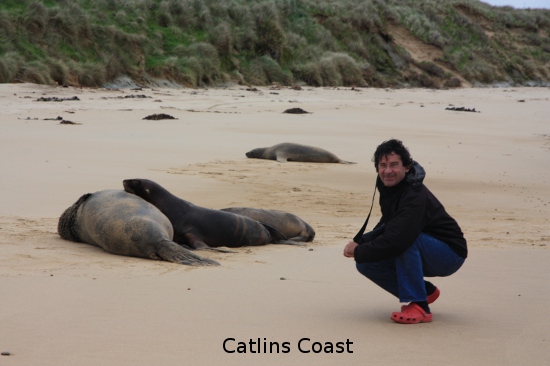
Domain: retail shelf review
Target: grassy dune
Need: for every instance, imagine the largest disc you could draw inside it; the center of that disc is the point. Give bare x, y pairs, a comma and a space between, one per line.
426, 43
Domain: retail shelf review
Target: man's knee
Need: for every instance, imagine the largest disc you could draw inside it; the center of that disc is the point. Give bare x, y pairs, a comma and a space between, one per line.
372, 270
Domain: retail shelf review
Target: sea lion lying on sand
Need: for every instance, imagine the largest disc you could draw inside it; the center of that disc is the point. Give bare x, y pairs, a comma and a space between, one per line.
288, 151
199, 227
124, 224
289, 225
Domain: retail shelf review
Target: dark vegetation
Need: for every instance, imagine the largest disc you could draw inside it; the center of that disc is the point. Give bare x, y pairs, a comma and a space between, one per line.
425, 43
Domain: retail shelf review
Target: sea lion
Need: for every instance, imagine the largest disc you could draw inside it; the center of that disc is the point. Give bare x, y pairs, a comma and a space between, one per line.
289, 225
199, 227
288, 151
124, 224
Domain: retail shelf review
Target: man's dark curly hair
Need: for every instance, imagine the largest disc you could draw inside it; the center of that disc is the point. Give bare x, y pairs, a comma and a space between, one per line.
392, 146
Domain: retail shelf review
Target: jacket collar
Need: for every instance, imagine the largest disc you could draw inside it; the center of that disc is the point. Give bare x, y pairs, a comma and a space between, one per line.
413, 178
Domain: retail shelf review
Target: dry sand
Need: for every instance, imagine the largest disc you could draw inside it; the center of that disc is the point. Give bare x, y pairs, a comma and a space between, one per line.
65, 303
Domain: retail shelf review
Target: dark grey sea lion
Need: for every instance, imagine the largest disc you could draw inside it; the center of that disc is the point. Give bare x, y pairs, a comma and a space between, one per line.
288, 151
124, 224
199, 227
289, 225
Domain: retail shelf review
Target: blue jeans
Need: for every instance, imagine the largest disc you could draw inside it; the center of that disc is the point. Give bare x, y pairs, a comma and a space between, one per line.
403, 276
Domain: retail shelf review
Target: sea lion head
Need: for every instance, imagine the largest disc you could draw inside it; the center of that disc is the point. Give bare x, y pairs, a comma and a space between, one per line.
256, 153
137, 187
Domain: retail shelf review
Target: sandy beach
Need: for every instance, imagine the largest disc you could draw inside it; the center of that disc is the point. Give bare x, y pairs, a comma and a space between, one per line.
65, 303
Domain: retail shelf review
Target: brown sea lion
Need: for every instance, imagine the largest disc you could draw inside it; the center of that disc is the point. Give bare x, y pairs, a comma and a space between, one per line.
124, 224
289, 225
288, 151
199, 227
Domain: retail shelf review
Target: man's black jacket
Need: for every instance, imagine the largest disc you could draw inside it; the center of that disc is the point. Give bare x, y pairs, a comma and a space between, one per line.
409, 209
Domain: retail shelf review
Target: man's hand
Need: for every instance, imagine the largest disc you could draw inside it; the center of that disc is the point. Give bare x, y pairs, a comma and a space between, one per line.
349, 249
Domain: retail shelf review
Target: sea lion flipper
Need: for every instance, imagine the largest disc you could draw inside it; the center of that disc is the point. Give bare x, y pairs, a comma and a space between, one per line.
281, 158
302, 238
194, 242
290, 242
219, 250
175, 253
275, 234
198, 244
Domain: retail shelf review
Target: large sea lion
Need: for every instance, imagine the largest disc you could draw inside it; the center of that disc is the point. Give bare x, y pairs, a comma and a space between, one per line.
124, 224
199, 227
288, 151
289, 225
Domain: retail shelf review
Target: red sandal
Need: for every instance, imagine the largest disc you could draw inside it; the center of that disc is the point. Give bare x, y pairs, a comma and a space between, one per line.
434, 296
411, 314
431, 299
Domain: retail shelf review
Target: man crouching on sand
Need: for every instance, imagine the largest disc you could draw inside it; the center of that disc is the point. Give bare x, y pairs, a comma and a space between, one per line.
415, 237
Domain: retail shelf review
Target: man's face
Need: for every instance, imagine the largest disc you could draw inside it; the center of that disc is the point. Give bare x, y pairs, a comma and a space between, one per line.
391, 169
